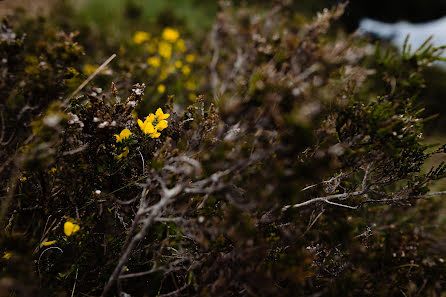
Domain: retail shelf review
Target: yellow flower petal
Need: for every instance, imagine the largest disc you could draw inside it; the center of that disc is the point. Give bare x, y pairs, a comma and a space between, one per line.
140, 36
155, 135
125, 134
47, 243
141, 124
150, 118
160, 115
69, 228
124, 153
118, 138
161, 89
170, 34
161, 125
149, 128
7, 255
155, 62
165, 50
186, 70
190, 58
178, 64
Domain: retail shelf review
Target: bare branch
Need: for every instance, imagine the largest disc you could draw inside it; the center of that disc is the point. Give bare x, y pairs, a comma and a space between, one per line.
324, 199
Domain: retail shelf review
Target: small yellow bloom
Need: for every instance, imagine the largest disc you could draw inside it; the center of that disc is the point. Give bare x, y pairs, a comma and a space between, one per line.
160, 115
185, 70
53, 170
190, 58
161, 125
47, 243
7, 255
123, 135
157, 119
181, 45
150, 118
170, 34
123, 154
23, 178
161, 89
154, 62
155, 135
140, 37
178, 64
165, 50
69, 228
146, 126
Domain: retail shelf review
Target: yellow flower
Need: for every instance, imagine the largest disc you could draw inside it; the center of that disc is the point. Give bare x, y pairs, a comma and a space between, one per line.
69, 228
190, 58
123, 154
165, 50
123, 135
178, 64
146, 126
150, 118
181, 45
7, 255
154, 62
158, 119
160, 115
140, 36
24, 178
47, 243
161, 89
170, 34
155, 135
185, 70
161, 125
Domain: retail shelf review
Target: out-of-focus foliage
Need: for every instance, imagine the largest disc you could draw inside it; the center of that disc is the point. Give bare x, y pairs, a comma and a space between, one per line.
298, 172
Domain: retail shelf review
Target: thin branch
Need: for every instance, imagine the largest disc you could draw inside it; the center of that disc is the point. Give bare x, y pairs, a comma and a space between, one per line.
75, 280
90, 77
323, 199
174, 292
366, 175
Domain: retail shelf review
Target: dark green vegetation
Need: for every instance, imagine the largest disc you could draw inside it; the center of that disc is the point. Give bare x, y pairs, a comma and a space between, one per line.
301, 170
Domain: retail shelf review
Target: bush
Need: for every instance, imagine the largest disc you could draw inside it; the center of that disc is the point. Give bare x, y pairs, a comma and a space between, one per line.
303, 175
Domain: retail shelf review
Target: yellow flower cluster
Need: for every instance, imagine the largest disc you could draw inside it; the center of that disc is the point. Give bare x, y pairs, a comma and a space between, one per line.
167, 58
125, 134
154, 123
